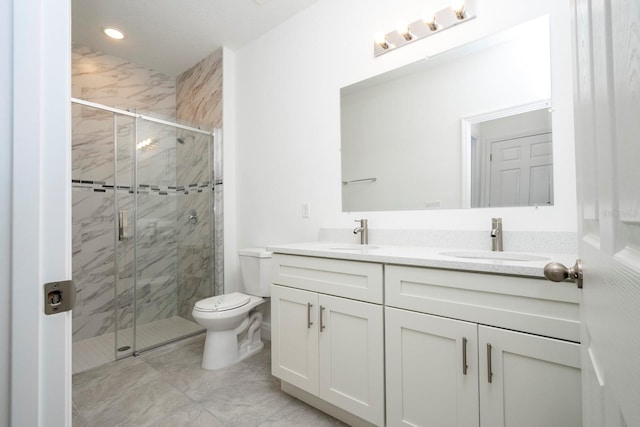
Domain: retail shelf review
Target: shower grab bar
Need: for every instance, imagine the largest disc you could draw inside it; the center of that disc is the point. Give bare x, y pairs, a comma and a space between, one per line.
359, 180
137, 115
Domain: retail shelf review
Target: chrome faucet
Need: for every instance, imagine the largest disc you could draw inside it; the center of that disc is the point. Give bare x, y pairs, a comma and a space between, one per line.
363, 230
496, 234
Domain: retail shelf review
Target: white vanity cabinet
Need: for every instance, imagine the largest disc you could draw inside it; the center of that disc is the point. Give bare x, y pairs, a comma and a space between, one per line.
325, 342
427, 384
472, 370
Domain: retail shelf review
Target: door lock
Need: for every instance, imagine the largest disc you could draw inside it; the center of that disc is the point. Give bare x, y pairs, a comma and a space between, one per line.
59, 296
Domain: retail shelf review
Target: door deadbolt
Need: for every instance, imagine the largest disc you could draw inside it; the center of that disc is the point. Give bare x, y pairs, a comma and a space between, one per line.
59, 296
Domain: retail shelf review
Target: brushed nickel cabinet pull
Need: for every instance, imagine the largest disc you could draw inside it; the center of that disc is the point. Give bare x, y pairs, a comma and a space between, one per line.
321, 324
464, 356
489, 372
309, 322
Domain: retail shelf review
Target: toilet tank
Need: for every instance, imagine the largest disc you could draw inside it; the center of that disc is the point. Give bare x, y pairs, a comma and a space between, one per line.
255, 264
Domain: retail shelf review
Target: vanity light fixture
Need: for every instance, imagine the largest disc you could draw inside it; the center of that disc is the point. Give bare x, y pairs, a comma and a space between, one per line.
432, 22
113, 33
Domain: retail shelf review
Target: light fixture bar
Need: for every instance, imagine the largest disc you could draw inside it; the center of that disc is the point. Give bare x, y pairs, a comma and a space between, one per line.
432, 23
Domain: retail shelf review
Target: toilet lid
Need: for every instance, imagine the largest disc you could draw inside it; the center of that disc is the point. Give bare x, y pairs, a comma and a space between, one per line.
223, 302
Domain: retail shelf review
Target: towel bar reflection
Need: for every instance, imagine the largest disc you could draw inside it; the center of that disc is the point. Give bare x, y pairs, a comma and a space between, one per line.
359, 180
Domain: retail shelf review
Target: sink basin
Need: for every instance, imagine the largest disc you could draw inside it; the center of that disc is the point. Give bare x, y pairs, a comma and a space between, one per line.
354, 247
500, 256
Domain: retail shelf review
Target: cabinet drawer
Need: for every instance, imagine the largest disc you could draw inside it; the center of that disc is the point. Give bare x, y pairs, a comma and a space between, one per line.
349, 279
519, 303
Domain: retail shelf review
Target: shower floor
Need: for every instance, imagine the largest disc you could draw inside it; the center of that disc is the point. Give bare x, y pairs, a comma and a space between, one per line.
97, 351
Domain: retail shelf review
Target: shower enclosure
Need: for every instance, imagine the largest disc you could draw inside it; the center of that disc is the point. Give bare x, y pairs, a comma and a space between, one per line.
144, 195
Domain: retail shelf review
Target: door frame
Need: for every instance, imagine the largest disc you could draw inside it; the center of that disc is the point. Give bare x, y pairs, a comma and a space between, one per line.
40, 217
467, 122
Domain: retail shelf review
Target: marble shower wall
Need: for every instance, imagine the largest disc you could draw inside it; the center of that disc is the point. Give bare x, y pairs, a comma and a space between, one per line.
175, 259
199, 104
113, 81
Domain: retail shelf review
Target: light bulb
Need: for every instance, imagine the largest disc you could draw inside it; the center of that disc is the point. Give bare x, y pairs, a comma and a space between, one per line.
430, 20
457, 6
405, 32
381, 41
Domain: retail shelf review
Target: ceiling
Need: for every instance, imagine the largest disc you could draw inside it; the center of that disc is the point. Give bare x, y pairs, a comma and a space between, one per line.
171, 36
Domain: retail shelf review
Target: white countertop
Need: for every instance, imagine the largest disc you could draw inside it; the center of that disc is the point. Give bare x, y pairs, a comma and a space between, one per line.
427, 257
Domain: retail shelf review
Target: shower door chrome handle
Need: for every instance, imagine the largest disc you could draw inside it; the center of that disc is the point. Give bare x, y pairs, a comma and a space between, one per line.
309, 322
123, 223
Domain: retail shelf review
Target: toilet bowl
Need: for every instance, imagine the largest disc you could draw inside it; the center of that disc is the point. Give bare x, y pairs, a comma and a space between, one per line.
231, 320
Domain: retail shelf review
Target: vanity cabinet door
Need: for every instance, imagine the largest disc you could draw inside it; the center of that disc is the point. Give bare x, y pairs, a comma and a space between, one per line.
427, 384
352, 356
528, 380
294, 337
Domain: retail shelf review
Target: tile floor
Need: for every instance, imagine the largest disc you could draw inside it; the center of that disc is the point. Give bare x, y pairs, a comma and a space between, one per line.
167, 387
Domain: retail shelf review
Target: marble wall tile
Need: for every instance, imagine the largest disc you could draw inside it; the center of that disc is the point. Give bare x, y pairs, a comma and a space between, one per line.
93, 326
92, 144
125, 147
193, 156
156, 160
199, 93
199, 103
116, 82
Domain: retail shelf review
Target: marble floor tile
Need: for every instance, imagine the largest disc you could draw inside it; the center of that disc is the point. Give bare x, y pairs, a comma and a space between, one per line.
77, 420
167, 387
298, 413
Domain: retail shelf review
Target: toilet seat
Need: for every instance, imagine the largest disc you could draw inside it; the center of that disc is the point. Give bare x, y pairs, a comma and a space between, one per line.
222, 302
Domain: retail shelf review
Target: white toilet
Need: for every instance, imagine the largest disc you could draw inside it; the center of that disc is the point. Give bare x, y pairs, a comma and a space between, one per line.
233, 326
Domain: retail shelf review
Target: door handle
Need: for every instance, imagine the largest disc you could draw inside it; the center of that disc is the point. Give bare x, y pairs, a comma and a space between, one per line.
489, 371
309, 322
321, 323
557, 272
464, 356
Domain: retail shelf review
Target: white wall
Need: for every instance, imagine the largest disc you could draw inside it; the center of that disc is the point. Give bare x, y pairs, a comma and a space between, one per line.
288, 117
231, 262
6, 81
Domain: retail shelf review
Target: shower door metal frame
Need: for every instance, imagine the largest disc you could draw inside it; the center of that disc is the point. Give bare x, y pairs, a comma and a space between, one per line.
215, 136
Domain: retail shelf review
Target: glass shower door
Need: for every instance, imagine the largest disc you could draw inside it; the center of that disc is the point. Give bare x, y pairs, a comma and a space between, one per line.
124, 142
173, 231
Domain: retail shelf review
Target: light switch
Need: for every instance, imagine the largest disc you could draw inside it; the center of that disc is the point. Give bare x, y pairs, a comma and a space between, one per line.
306, 210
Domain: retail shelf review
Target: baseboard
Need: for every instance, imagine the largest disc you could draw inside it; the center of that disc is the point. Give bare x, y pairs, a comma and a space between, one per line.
265, 331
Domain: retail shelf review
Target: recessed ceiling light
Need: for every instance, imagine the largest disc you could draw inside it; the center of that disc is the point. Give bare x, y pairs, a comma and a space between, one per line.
114, 33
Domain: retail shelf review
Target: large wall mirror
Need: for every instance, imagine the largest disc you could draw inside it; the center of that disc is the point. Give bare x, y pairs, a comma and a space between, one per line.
470, 127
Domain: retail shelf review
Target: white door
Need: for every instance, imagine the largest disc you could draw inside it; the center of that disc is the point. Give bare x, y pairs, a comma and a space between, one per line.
41, 212
294, 337
431, 369
607, 107
521, 171
352, 356
528, 380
